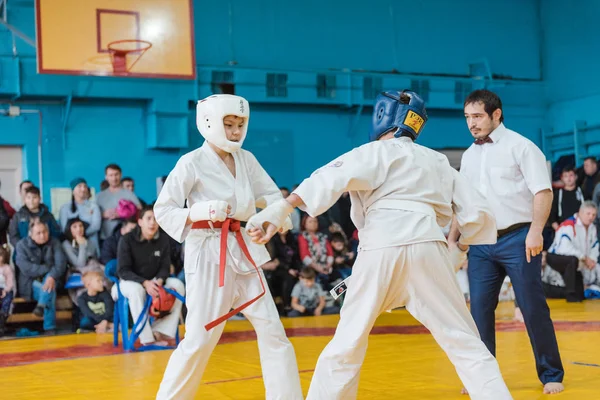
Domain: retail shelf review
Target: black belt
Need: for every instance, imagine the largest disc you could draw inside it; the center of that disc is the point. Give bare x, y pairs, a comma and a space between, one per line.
512, 228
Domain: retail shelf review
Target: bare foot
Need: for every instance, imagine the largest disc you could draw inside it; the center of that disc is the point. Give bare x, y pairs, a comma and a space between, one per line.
553, 387
518, 316
463, 391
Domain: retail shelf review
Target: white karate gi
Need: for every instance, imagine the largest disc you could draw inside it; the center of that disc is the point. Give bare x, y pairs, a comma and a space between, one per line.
402, 193
202, 176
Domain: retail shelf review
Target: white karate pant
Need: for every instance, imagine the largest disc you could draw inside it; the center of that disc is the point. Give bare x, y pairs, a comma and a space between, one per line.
206, 301
136, 294
421, 277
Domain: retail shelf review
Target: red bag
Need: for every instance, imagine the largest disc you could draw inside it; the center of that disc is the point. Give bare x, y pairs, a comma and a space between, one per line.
162, 304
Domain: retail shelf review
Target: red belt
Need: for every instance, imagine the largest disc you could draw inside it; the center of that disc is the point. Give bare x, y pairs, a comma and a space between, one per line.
226, 226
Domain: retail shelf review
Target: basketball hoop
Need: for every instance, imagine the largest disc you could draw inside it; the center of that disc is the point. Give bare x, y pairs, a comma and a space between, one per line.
120, 49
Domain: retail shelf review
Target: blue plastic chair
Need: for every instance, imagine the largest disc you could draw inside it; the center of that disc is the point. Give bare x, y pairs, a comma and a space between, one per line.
121, 316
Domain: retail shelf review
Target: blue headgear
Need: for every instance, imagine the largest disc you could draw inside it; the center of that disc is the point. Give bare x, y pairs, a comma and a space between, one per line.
403, 110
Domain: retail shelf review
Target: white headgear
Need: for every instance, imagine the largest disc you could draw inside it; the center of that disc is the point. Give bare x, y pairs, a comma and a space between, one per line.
209, 119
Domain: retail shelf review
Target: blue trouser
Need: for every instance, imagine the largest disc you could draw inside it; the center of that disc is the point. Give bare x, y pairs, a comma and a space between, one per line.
46, 300
488, 266
5, 303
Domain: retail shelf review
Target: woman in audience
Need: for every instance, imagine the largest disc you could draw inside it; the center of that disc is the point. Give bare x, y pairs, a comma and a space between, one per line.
83, 208
82, 254
282, 271
315, 250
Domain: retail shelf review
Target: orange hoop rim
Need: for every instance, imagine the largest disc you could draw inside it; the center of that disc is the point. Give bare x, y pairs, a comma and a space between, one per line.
111, 45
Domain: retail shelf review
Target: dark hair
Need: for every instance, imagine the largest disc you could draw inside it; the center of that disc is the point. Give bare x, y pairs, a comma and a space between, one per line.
32, 190
70, 223
284, 188
590, 158
112, 166
308, 273
23, 183
144, 210
491, 101
337, 237
569, 168
127, 178
104, 185
4, 254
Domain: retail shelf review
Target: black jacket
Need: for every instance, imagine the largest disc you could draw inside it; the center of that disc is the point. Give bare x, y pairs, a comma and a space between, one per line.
139, 260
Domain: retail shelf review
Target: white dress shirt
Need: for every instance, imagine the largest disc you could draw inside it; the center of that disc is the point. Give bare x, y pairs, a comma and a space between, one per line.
508, 172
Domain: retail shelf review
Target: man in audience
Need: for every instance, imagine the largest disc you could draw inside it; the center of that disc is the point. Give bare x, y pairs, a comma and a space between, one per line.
33, 208
566, 200
143, 266
129, 184
575, 248
108, 200
23, 186
590, 177
42, 266
110, 245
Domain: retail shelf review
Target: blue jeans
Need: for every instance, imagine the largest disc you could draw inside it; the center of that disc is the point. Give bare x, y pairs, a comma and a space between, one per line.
5, 303
47, 300
488, 266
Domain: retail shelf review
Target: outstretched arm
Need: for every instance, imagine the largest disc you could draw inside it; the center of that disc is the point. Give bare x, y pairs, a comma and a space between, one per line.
359, 169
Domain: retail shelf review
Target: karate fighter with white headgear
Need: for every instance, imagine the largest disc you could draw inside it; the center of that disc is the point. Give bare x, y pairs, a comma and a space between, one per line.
402, 194
223, 186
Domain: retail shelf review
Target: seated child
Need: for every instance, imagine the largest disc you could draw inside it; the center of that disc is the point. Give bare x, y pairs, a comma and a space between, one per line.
343, 259
308, 297
7, 286
95, 304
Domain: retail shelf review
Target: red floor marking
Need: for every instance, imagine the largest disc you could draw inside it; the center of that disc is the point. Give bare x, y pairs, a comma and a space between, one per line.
84, 351
247, 378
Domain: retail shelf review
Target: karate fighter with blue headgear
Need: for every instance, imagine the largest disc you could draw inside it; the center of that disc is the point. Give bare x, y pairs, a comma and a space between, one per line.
402, 195
223, 185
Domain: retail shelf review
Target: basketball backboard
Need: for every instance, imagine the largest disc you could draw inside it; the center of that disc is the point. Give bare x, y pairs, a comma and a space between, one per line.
149, 38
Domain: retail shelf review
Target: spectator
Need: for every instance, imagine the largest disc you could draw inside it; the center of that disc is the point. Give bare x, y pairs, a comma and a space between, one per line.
110, 245
574, 249
7, 286
129, 184
315, 250
343, 259
566, 200
283, 269
4, 219
143, 265
590, 177
23, 186
108, 200
308, 297
42, 266
33, 208
78, 249
83, 208
95, 304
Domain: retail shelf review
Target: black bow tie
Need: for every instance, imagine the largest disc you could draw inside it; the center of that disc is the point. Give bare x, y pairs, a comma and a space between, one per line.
486, 139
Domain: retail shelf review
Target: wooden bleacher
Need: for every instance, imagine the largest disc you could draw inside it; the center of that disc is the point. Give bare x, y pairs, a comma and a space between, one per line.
23, 312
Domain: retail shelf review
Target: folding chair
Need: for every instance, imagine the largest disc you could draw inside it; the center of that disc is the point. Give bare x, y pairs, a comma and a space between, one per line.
121, 316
